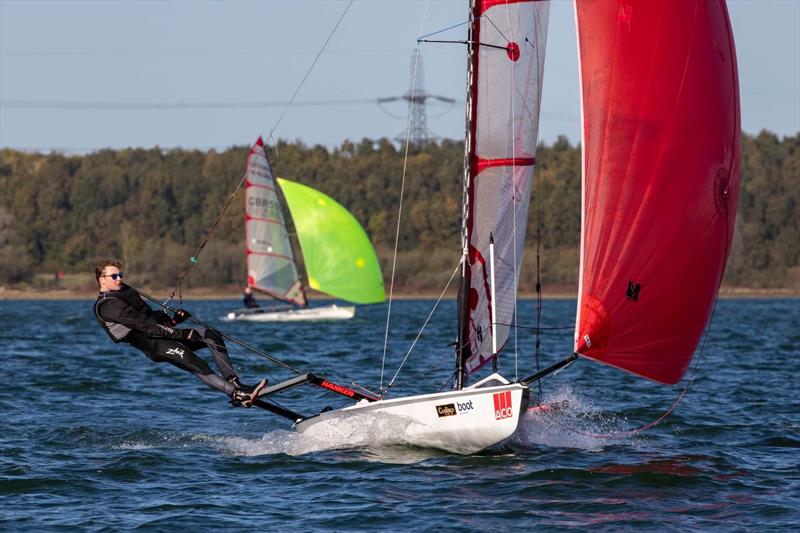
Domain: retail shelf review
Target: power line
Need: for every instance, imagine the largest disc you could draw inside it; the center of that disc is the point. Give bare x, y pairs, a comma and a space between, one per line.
68, 105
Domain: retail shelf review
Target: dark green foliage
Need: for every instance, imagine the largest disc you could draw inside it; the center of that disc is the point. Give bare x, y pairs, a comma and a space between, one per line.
766, 249
153, 209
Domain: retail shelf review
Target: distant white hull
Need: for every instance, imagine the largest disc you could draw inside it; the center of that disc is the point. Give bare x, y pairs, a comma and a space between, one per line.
465, 421
330, 312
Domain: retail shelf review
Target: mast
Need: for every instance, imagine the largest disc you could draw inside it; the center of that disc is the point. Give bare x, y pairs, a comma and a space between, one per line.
507, 41
462, 349
294, 242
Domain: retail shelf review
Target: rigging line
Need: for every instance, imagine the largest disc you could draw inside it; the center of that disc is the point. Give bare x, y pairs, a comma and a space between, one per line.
512, 90
538, 223
657, 421
448, 382
195, 257
67, 105
442, 30
400, 204
437, 32
241, 343
419, 334
397, 234
508, 12
308, 72
487, 45
534, 328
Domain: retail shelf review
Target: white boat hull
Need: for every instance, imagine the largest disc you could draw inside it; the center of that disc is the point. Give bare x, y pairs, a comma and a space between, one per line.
465, 421
330, 312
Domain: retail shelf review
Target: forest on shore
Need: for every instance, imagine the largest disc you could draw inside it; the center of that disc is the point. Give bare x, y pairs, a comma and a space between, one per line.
153, 208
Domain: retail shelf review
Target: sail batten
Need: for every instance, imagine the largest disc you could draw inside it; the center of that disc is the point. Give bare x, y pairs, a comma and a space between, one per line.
507, 49
659, 102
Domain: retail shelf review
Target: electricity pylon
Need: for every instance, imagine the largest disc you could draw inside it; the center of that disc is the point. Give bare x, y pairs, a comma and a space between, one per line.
417, 98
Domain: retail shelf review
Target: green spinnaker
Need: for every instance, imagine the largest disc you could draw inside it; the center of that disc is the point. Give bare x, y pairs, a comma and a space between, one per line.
337, 253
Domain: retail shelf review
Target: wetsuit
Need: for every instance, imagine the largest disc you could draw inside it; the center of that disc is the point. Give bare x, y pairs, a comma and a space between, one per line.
249, 301
125, 317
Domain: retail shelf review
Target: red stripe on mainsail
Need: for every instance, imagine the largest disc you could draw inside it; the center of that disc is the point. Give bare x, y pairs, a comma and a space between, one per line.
482, 164
270, 220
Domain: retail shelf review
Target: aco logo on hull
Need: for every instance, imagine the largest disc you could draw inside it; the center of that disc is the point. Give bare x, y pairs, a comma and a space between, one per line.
502, 405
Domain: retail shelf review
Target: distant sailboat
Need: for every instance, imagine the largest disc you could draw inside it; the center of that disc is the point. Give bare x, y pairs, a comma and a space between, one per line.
661, 134
337, 257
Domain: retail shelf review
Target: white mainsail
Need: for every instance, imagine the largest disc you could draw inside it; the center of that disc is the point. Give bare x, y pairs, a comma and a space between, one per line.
505, 81
271, 264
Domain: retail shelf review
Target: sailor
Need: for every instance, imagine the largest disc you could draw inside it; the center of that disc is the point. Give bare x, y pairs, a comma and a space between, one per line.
248, 298
125, 317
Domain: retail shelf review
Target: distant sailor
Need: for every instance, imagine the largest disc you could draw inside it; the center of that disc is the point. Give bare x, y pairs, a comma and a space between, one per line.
248, 298
125, 317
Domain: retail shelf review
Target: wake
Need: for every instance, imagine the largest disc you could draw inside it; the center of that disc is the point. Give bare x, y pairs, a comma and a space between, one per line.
571, 421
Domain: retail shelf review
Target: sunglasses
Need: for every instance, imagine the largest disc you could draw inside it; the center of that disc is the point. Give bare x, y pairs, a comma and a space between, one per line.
113, 276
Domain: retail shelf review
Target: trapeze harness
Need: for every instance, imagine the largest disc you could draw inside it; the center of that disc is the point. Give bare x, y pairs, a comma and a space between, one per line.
125, 317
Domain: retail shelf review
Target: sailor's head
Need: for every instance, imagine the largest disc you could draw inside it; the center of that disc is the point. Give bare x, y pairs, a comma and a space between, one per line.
108, 274
248, 290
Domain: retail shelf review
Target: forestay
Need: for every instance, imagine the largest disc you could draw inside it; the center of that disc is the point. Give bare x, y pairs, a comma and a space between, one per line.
660, 106
507, 51
271, 265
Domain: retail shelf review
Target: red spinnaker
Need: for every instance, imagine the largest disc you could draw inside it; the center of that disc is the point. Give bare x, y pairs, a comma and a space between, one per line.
660, 103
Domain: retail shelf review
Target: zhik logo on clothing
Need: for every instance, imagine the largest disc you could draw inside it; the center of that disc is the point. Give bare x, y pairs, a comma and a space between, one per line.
175, 351
502, 405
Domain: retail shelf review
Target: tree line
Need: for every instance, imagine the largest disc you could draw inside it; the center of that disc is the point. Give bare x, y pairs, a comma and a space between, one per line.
154, 207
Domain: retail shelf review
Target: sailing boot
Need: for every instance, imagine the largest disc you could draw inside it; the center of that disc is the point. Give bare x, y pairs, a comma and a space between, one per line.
246, 399
236, 382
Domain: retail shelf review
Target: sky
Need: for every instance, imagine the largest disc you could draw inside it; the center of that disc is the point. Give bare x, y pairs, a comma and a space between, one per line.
81, 76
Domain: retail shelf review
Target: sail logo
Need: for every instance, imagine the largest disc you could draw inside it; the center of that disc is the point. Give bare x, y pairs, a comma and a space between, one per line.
502, 405
447, 409
633, 291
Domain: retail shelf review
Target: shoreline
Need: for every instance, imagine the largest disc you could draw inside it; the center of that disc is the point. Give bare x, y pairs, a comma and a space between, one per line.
560, 293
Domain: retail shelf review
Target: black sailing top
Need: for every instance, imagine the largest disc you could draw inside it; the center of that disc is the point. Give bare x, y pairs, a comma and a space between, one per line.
125, 317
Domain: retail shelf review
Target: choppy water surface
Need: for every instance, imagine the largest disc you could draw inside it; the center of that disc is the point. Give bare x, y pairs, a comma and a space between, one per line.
94, 436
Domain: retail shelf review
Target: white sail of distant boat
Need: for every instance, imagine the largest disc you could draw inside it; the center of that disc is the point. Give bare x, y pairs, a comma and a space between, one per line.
335, 255
661, 135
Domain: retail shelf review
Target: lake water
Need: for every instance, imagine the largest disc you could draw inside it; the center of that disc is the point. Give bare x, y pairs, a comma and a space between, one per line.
96, 437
